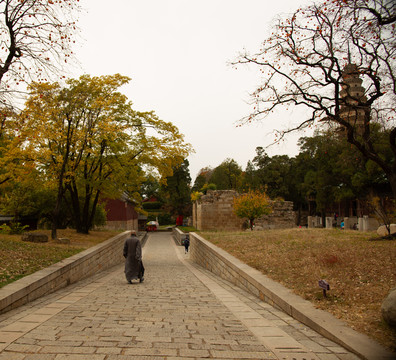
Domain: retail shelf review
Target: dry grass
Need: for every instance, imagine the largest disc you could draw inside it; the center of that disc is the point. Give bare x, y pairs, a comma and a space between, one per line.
360, 271
19, 258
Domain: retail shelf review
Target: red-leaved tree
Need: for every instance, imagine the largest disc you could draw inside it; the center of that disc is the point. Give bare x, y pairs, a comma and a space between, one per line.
336, 59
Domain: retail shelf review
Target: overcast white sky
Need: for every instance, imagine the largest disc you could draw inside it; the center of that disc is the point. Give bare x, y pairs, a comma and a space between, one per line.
177, 54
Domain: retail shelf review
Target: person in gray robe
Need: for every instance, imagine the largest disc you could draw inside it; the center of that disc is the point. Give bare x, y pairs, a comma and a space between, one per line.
134, 268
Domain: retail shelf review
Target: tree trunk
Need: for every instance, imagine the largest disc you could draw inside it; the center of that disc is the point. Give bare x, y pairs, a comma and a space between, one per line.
93, 210
323, 218
56, 211
76, 206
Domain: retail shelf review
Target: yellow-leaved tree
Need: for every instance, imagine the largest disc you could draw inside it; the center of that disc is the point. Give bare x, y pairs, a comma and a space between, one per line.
88, 143
252, 205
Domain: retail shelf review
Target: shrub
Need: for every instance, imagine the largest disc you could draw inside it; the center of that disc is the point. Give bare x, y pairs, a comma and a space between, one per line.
15, 228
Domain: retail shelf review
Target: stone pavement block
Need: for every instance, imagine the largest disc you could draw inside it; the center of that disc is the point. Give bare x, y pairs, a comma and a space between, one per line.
41, 335
207, 347
11, 356
150, 352
26, 341
328, 357
314, 346
20, 326
282, 342
48, 310
137, 357
23, 348
40, 357
79, 357
194, 353
242, 355
54, 349
81, 337
192, 340
61, 343
173, 345
134, 343
9, 336
37, 318
108, 350
151, 338
268, 331
99, 344
220, 341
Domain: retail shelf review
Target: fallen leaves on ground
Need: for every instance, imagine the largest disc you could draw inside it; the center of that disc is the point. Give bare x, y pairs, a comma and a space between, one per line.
19, 258
360, 271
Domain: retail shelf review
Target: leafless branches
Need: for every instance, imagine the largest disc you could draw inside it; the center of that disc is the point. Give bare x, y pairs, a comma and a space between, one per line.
35, 38
304, 64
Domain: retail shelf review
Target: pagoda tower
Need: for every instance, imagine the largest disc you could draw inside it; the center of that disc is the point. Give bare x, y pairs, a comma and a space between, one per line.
353, 100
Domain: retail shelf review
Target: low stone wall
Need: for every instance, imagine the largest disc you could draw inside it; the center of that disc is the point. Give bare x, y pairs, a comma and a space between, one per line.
65, 272
282, 216
231, 269
214, 211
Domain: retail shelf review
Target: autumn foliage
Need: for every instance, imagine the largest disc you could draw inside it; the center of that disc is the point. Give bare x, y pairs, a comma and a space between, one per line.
252, 205
84, 142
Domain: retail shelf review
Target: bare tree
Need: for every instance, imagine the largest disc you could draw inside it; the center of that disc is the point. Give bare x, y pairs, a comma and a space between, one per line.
337, 60
36, 38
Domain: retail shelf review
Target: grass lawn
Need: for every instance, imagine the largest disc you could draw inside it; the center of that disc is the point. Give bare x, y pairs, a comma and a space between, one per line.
360, 271
19, 258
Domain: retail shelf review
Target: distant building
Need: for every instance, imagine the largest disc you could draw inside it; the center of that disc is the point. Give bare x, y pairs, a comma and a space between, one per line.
353, 100
121, 214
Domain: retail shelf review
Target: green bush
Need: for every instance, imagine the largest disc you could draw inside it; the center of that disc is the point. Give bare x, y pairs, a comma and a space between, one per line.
5, 229
163, 218
100, 216
154, 205
15, 228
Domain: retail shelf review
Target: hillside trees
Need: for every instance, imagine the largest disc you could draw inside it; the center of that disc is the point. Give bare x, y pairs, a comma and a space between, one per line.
335, 171
176, 191
86, 140
273, 173
36, 38
306, 63
328, 173
227, 176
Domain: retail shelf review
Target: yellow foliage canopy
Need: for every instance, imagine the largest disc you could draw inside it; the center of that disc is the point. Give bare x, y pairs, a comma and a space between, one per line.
252, 205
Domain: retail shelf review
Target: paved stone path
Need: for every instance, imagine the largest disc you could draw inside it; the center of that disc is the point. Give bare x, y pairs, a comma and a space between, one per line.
180, 312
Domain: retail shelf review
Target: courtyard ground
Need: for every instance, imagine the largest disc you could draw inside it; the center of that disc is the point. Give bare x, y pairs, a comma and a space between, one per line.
360, 270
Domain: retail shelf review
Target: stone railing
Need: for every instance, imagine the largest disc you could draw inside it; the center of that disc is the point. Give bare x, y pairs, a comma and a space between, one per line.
65, 272
231, 269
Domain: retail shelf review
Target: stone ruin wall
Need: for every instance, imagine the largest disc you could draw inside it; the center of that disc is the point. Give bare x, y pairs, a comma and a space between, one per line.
214, 211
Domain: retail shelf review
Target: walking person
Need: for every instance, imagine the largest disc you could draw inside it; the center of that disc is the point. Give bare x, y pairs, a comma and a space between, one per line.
134, 268
186, 244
